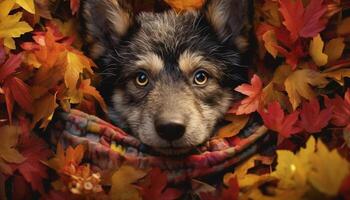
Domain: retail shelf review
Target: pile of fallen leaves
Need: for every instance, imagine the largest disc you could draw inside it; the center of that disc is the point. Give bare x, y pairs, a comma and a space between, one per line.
299, 88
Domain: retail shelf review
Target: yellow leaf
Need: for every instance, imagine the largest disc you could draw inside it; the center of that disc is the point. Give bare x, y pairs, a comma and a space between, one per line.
270, 40
316, 51
8, 154
328, 170
5, 7
117, 148
122, 183
337, 74
28, 5
238, 122
334, 49
11, 27
344, 27
298, 85
76, 62
185, 4
9, 43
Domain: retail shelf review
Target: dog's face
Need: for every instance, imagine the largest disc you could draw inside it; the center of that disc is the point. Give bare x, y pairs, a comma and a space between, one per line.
168, 77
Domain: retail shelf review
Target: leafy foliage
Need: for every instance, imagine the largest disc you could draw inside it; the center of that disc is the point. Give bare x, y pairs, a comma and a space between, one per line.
299, 89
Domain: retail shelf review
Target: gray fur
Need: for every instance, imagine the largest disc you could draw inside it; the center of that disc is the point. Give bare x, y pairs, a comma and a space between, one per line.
171, 93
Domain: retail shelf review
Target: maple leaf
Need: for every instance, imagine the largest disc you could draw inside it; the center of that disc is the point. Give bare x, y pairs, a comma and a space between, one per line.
334, 49
237, 123
155, 187
303, 22
251, 103
329, 169
75, 63
312, 119
11, 27
340, 109
316, 51
28, 5
275, 119
180, 5
44, 109
64, 159
122, 183
33, 170
273, 91
298, 85
20, 92
8, 154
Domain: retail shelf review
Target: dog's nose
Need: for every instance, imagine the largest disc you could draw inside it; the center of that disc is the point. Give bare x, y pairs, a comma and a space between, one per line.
170, 131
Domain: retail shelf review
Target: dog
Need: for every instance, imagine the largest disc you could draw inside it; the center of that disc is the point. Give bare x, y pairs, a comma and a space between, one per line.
168, 77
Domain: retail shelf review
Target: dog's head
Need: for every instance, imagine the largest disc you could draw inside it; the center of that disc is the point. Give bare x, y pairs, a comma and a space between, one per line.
168, 77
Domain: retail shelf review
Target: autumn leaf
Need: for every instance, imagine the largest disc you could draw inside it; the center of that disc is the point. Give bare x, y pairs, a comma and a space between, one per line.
312, 119
65, 158
231, 191
274, 90
343, 28
328, 170
10, 66
33, 170
237, 123
11, 27
122, 183
316, 51
20, 93
303, 22
340, 109
8, 153
270, 42
155, 187
334, 49
44, 109
180, 5
28, 5
251, 102
75, 63
298, 85
275, 119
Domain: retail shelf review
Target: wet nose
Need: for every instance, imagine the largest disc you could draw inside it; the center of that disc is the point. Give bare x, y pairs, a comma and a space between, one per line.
170, 130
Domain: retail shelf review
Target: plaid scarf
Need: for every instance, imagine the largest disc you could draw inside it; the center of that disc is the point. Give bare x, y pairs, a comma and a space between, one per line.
108, 147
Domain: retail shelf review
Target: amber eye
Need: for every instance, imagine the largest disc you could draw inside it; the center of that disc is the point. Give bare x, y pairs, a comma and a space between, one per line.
200, 77
141, 79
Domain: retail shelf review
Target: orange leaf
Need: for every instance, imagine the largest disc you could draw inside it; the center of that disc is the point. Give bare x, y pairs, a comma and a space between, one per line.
250, 103
238, 122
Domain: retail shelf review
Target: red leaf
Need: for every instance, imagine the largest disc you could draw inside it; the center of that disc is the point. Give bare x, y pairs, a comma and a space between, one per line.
155, 187
20, 93
276, 120
33, 170
9, 102
251, 103
345, 188
10, 66
231, 193
341, 109
312, 119
303, 22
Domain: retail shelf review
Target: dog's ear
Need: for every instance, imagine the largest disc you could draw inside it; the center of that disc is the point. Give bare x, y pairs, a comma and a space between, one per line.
105, 23
230, 19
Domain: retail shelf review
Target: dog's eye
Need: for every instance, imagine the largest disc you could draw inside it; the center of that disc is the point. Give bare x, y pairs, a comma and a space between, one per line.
200, 77
141, 79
